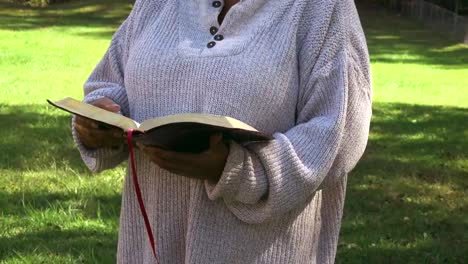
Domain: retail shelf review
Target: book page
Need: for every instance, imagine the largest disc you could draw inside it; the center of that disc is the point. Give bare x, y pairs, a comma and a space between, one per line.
95, 113
208, 119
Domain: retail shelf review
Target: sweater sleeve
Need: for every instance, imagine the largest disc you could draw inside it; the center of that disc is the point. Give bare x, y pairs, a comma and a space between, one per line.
264, 180
107, 80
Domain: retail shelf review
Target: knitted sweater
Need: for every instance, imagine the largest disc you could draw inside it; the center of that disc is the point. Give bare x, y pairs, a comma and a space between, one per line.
297, 69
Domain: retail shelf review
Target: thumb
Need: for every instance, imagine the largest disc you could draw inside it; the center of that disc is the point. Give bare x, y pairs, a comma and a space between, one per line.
107, 104
215, 139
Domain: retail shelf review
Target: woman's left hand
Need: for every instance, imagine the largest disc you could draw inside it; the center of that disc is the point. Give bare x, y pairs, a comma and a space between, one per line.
205, 165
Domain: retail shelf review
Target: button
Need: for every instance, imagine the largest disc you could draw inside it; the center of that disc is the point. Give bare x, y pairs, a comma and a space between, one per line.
211, 44
213, 30
217, 4
218, 37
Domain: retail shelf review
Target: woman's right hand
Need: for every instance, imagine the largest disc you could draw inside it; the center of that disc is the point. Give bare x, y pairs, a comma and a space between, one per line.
93, 135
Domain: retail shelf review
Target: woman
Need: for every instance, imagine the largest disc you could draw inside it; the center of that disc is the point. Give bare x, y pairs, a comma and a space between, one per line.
297, 69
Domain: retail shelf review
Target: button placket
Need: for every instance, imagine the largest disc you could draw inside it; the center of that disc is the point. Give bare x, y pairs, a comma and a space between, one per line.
218, 37
214, 29
216, 4
211, 44
200, 24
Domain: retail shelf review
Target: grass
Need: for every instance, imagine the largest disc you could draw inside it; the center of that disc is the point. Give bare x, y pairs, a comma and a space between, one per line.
53, 49
407, 199
52, 209
406, 203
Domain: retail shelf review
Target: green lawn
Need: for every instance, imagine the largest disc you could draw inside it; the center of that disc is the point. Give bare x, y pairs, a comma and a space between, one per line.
407, 200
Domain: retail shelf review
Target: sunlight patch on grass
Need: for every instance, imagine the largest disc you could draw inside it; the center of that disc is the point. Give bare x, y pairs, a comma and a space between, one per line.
456, 47
387, 37
419, 84
40, 255
84, 9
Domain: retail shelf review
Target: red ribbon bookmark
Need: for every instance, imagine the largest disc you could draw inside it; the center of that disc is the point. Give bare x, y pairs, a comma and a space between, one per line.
138, 193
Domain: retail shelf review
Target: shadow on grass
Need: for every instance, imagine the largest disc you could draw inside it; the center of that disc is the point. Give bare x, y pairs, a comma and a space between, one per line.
422, 141
101, 13
34, 138
395, 39
406, 200
88, 205
83, 245
78, 222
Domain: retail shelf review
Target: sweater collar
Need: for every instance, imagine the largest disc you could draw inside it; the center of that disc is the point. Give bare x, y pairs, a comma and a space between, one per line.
198, 23
244, 10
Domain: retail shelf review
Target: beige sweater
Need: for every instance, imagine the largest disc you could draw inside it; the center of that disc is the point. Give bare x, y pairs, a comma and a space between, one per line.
298, 69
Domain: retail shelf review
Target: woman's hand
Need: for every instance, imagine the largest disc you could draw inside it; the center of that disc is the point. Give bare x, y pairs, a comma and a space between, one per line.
93, 135
205, 165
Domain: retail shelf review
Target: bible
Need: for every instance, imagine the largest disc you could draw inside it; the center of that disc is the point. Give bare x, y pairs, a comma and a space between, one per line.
188, 132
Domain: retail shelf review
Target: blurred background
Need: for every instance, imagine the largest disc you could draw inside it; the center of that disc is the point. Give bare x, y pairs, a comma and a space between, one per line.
407, 200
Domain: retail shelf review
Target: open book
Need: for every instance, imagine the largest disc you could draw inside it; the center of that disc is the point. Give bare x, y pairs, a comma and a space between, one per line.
182, 132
